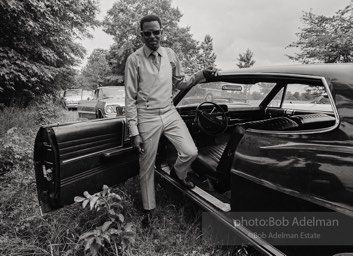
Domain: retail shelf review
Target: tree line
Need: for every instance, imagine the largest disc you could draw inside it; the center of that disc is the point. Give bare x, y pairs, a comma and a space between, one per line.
40, 49
122, 23
38, 45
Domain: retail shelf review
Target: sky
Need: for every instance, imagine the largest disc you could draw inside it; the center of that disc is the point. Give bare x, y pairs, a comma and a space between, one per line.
265, 27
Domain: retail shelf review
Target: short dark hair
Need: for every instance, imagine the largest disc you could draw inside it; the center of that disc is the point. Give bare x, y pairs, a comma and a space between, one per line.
149, 18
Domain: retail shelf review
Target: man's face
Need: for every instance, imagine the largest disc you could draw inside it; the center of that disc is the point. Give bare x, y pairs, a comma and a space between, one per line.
151, 34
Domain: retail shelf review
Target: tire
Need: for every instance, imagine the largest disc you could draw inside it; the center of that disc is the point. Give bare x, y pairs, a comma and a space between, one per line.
99, 115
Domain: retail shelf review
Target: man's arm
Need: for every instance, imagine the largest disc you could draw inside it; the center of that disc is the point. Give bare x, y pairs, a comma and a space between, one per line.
180, 81
131, 85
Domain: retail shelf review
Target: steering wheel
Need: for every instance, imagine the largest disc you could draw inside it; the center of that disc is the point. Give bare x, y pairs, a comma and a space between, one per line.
213, 120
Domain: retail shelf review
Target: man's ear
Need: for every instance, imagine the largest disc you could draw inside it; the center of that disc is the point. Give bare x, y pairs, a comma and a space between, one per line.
162, 35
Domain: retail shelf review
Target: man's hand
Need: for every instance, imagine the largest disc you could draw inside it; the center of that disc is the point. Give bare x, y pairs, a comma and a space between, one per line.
138, 144
209, 72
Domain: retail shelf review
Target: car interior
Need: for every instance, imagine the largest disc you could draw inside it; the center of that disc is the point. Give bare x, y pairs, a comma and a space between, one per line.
217, 127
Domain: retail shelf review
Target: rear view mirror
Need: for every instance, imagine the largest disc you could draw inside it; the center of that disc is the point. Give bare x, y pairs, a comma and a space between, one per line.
232, 87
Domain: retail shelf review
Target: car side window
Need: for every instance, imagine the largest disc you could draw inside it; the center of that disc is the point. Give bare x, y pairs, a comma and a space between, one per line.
312, 97
303, 97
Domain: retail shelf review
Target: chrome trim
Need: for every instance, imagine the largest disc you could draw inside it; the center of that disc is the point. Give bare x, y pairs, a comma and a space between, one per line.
86, 112
88, 155
321, 147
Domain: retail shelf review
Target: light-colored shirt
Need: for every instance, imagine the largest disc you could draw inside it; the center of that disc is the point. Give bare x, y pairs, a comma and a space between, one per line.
147, 87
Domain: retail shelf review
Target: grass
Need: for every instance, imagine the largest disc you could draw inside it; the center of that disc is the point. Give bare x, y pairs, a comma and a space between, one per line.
23, 231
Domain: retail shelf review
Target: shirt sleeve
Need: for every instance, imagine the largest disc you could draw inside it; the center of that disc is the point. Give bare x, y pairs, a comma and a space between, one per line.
180, 80
131, 85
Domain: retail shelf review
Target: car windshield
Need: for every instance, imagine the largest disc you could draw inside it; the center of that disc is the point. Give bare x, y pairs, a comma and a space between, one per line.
87, 94
236, 95
72, 93
114, 92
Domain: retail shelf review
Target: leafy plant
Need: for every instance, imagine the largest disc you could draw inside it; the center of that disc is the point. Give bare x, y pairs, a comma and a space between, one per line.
47, 109
325, 39
114, 231
6, 160
38, 46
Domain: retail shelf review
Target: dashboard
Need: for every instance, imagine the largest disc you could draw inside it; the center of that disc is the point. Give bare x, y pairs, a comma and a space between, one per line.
187, 112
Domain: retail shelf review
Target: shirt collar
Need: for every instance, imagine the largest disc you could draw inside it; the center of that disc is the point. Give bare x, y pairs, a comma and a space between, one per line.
148, 51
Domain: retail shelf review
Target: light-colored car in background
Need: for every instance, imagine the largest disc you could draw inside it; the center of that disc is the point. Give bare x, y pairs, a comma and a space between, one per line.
108, 101
71, 97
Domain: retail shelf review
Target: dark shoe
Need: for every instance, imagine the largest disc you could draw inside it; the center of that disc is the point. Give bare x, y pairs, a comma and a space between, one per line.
147, 218
186, 183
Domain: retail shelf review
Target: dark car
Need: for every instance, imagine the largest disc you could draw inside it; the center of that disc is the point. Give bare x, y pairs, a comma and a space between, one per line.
280, 153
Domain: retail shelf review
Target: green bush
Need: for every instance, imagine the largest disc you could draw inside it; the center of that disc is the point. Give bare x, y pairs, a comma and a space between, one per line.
114, 231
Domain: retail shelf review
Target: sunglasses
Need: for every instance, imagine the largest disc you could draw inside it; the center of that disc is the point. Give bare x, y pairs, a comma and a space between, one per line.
149, 33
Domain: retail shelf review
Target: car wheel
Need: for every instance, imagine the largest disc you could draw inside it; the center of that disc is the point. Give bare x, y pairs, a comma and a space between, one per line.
99, 115
209, 97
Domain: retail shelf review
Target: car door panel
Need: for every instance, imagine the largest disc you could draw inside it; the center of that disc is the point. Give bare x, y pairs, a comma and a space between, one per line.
269, 157
302, 165
73, 158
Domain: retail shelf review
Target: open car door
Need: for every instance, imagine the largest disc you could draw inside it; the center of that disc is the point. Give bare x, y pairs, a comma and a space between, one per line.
76, 157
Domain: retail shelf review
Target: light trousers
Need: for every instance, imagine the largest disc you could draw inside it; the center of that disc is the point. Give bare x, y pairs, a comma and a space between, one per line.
152, 123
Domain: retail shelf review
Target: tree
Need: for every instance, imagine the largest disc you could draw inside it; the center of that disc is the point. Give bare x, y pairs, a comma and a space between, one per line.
245, 59
315, 91
122, 22
38, 45
296, 96
306, 96
256, 95
325, 39
206, 57
265, 88
97, 71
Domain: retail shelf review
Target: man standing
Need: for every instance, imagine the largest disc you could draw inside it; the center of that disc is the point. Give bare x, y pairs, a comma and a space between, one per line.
151, 74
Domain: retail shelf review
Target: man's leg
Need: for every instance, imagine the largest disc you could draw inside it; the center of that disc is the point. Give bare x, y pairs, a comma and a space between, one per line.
176, 131
150, 130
